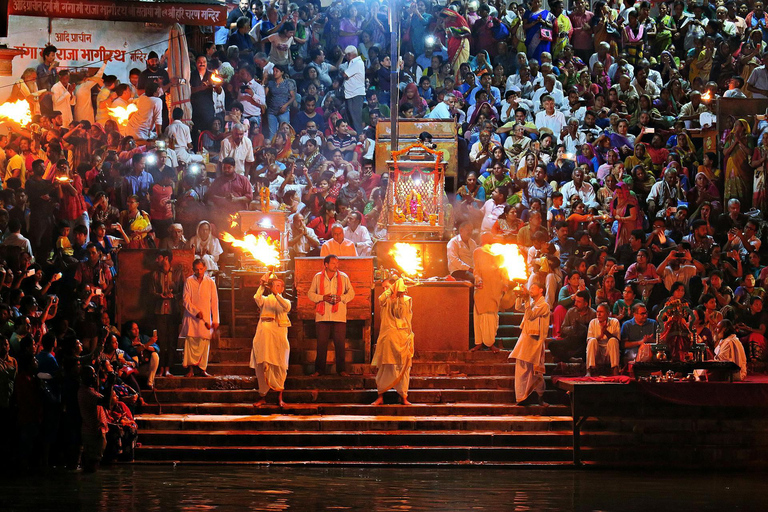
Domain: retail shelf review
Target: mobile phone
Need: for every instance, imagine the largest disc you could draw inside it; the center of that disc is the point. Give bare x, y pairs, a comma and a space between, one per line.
30, 272
679, 254
98, 291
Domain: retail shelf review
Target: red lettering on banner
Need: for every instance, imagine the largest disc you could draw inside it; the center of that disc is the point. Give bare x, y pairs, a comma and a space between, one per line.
112, 10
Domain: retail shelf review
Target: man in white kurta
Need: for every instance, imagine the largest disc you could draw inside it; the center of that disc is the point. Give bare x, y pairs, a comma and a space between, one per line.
394, 347
201, 318
270, 352
529, 350
338, 245
63, 100
358, 234
489, 288
603, 336
331, 291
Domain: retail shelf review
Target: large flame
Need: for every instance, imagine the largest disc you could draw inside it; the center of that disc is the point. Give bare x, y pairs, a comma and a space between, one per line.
121, 114
407, 258
511, 260
18, 112
260, 247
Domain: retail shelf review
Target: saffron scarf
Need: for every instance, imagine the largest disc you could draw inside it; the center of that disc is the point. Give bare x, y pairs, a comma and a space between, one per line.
321, 305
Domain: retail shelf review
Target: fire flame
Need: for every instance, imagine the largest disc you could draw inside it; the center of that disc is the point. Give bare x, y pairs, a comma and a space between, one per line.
706, 96
216, 78
407, 258
261, 248
233, 222
511, 260
121, 114
18, 112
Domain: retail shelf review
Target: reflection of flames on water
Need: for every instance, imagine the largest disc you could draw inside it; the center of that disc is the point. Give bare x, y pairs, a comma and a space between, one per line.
260, 247
407, 258
511, 260
18, 112
121, 114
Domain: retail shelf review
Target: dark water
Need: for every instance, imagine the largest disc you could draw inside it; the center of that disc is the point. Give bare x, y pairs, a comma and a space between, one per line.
257, 488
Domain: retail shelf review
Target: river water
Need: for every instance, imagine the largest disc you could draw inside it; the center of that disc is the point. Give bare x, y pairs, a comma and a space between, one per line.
369, 489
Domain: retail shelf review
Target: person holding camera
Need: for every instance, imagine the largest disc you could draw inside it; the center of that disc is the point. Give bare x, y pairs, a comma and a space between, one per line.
331, 291
270, 351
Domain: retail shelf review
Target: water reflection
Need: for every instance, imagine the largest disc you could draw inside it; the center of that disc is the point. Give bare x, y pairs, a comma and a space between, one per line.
370, 489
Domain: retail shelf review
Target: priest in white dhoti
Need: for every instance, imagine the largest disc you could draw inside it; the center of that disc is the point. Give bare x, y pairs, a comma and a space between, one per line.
201, 318
730, 348
270, 352
529, 350
394, 347
603, 336
490, 283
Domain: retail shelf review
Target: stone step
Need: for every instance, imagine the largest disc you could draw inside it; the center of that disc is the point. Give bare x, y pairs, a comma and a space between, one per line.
239, 438
418, 369
283, 422
338, 382
348, 396
357, 454
316, 409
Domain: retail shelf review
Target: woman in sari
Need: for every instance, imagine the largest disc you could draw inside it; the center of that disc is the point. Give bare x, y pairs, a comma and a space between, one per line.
640, 157
665, 27
206, 246
622, 140
687, 153
588, 157
527, 166
538, 25
736, 151
411, 95
759, 157
633, 38
458, 33
626, 211
747, 61
703, 191
135, 225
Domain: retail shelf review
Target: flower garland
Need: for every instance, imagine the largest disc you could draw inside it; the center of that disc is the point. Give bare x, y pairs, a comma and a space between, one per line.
264, 199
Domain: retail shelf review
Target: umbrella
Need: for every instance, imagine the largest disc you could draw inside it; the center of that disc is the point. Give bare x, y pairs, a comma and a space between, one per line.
178, 69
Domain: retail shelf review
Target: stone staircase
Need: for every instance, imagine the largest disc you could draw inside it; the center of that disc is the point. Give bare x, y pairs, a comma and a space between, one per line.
464, 411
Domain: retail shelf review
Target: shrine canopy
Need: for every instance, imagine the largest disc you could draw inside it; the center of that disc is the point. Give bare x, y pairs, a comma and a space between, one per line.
198, 12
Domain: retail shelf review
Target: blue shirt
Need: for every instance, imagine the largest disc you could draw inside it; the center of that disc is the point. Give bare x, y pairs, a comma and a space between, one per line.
139, 185
630, 331
534, 191
46, 363
494, 91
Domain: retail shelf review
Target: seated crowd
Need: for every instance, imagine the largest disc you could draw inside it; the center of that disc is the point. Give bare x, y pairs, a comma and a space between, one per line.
578, 139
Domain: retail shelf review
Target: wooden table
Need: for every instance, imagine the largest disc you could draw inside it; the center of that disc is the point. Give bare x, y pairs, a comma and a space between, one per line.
440, 314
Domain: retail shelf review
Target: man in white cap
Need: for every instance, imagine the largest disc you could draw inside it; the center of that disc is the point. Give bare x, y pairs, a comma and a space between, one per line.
354, 88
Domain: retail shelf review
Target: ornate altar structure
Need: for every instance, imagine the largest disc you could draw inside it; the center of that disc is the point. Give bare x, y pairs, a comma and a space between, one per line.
415, 195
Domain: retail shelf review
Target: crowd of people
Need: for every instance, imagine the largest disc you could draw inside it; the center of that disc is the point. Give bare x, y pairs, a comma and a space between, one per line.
579, 138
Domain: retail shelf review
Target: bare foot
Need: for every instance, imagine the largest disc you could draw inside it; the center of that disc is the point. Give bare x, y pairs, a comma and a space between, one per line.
405, 401
281, 403
615, 371
494, 348
379, 401
316, 374
589, 372
190, 373
343, 374
475, 348
260, 402
204, 373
